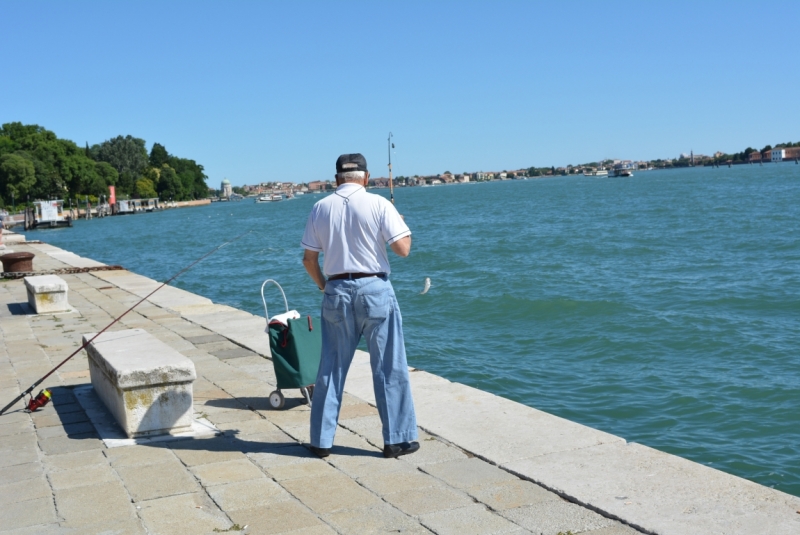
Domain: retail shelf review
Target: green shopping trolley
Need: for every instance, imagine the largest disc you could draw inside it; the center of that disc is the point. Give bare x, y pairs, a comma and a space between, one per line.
296, 345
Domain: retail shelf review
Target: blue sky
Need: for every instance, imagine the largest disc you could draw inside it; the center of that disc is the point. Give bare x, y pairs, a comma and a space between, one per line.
260, 91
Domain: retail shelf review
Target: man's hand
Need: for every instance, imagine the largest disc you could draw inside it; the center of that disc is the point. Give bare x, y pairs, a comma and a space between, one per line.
311, 263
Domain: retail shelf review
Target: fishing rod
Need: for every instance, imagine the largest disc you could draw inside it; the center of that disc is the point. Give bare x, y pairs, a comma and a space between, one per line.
391, 186
143, 299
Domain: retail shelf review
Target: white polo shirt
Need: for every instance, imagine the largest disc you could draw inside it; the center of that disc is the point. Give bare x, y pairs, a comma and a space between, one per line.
352, 227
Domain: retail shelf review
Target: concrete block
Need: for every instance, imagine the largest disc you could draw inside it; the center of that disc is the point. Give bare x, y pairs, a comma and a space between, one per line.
144, 383
47, 294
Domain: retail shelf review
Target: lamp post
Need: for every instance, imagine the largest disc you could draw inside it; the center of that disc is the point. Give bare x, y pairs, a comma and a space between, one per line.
391, 185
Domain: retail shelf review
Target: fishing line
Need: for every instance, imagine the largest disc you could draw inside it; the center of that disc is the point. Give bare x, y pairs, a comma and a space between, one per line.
143, 299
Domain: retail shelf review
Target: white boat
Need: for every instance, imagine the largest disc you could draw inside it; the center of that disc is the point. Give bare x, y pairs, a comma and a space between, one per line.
265, 197
47, 214
623, 169
599, 172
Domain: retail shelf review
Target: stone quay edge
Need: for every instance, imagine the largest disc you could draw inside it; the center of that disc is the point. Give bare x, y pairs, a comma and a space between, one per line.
484, 435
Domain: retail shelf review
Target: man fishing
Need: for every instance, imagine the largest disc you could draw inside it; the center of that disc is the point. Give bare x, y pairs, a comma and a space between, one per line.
351, 228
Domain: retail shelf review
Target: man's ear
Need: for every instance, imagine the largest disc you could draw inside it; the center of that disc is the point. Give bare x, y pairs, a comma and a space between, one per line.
366, 178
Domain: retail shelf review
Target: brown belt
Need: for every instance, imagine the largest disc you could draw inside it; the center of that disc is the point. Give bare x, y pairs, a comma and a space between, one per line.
352, 276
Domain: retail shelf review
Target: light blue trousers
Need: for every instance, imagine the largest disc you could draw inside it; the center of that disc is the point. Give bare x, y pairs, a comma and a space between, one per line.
351, 309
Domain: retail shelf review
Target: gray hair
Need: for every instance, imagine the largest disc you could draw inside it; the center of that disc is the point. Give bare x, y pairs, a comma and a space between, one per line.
351, 176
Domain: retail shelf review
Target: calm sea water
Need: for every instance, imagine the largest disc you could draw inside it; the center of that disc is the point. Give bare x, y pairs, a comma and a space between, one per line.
663, 308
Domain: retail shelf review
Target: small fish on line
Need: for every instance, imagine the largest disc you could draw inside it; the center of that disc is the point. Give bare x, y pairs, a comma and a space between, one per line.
427, 286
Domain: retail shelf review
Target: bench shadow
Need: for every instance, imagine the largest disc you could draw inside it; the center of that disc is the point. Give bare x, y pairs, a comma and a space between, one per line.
255, 403
20, 309
78, 426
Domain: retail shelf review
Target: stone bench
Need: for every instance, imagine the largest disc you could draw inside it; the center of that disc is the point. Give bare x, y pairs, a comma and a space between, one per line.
47, 294
143, 382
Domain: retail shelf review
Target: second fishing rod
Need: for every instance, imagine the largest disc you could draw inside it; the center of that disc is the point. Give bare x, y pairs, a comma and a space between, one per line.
33, 405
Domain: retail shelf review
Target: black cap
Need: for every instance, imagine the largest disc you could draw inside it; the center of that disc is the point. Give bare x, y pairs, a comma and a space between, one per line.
351, 162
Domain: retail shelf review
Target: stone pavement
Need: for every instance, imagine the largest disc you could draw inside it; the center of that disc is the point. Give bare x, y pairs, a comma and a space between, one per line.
57, 476
474, 474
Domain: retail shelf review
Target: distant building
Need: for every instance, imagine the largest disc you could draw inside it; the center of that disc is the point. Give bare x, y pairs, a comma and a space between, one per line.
778, 155
225, 189
791, 153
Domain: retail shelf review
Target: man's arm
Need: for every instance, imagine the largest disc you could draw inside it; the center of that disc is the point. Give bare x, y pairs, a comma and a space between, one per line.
311, 263
401, 247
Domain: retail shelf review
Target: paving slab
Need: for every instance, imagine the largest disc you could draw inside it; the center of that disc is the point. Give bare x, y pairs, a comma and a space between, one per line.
513, 494
186, 514
205, 451
468, 474
399, 481
23, 491
227, 472
330, 493
20, 472
150, 481
139, 455
69, 461
551, 518
248, 494
418, 502
92, 504
85, 475
659, 492
374, 519
28, 513
471, 520
287, 516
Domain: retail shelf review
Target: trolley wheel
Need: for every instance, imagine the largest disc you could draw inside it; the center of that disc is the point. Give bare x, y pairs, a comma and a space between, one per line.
276, 400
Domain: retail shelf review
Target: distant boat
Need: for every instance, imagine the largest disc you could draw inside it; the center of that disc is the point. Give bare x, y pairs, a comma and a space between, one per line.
265, 197
623, 169
599, 172
47, 214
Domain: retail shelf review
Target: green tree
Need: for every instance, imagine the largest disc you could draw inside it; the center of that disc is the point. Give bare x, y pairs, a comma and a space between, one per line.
158, 155
169, 185
17, 175
125, 154
145, 189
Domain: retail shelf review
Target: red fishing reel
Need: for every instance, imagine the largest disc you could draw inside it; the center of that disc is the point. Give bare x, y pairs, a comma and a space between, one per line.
40, 400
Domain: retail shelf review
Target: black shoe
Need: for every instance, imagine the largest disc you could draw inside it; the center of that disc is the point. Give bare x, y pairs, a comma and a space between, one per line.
396, 450
320, 452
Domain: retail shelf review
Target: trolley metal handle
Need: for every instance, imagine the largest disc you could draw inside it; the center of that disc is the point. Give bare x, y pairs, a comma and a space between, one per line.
285, 302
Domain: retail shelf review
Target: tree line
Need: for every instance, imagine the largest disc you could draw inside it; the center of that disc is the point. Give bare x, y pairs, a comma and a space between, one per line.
37, 164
